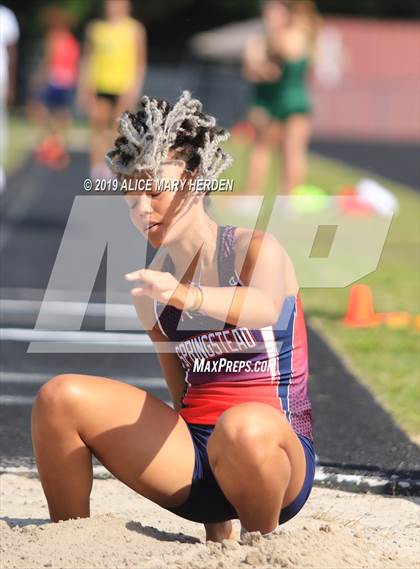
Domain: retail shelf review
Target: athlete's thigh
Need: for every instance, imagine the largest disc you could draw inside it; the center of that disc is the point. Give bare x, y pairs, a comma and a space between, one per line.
275, 133
137, 437
270, 425
101, 113
297, 130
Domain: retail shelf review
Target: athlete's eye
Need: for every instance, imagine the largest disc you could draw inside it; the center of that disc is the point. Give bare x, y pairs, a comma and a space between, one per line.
132, 205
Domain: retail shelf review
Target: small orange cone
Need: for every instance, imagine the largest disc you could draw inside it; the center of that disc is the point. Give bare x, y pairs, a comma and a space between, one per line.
360, 311
397, 319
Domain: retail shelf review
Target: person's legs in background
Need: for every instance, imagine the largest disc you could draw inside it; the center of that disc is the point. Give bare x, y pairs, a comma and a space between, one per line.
260, 154
102, 118
297, 130
269, 134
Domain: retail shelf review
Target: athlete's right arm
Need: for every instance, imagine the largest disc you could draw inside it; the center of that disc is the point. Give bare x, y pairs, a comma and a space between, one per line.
171, 367
253, 58
256, 67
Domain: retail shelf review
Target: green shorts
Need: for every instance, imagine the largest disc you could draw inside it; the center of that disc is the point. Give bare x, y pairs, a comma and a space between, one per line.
282, 102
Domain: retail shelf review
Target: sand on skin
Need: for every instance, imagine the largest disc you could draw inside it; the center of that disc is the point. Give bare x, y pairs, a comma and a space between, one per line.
335, 529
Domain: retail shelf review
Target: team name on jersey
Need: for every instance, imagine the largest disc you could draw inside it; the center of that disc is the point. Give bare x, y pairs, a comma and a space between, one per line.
214, 344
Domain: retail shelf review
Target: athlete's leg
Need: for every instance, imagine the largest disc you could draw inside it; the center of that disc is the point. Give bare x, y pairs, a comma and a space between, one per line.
62, 122
101, 119
137, 437
258, 462
267, 131
124, 102
297, 130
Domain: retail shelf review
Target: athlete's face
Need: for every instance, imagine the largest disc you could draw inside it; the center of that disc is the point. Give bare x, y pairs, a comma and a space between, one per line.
161, 208
276, 15
115, 9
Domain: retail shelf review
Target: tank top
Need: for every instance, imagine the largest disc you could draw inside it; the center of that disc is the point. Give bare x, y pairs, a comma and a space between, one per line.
63, 59
114, 55
222, 367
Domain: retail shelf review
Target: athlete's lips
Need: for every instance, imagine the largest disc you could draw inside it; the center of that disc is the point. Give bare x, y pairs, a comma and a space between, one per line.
150, 226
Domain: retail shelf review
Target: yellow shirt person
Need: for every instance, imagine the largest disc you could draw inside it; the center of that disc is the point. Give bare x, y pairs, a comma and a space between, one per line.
111, 80
113, 61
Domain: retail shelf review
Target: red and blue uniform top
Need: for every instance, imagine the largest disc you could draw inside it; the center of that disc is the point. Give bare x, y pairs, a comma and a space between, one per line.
227, 365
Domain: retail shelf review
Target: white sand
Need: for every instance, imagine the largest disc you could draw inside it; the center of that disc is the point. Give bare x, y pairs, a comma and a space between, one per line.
334, 530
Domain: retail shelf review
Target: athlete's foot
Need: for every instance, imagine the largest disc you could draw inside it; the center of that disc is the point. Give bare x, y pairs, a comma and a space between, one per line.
220, 531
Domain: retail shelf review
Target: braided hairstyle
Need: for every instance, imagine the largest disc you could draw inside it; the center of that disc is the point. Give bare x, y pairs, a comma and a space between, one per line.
157, 127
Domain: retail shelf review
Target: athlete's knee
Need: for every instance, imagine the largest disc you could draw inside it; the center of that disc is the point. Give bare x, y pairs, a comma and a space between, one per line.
99, 120
244, 436
58, 392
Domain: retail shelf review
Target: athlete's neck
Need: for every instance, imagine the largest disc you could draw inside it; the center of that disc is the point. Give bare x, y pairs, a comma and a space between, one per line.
185, 252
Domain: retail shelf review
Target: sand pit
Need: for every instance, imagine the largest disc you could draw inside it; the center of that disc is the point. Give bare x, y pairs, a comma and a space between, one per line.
335, 529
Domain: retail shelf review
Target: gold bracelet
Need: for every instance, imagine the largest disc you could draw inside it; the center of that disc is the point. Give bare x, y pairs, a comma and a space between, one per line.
199, 297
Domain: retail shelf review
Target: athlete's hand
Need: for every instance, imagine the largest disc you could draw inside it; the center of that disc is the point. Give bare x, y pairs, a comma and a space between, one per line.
162, 287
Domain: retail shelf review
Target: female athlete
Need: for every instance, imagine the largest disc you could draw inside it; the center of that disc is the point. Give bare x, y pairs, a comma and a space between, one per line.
225, 303
277, 63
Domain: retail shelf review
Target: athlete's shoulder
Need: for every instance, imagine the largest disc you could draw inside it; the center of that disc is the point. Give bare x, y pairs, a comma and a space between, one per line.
246, 239
254, 247
93, 27
134, 24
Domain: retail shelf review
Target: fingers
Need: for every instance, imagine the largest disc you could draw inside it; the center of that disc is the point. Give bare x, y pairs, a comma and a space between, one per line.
146, 275
155, 284
141, 291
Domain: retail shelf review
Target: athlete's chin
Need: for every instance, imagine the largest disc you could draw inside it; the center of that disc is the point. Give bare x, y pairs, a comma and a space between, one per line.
157, 236
162, 236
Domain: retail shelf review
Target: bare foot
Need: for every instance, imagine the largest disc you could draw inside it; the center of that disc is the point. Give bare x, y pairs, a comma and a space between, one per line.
220, 531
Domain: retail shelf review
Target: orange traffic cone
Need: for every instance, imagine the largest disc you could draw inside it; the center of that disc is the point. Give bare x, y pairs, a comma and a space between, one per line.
360, 311
397, 320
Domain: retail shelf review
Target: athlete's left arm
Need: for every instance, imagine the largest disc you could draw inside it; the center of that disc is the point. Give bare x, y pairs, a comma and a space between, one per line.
266, 274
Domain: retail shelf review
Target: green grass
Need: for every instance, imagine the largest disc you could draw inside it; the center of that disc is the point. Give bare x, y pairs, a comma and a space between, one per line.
21, 140
386, 360
23, 137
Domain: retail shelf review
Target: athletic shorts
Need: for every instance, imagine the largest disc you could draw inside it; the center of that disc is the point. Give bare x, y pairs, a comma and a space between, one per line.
57, 97
111, 97
206, 502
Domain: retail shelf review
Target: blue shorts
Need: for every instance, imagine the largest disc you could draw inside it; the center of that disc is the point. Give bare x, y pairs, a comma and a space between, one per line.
206, 502
57, 97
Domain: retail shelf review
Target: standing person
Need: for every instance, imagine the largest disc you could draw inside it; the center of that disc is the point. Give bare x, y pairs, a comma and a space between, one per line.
277, 63
9, 36
53, 85
113, 71
238, 442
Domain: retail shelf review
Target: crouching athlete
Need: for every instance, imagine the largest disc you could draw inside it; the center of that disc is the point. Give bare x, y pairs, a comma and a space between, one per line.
238, 443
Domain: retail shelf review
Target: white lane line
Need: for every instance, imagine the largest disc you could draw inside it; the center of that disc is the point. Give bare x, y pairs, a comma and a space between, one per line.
349, 482
28, 400
16, 400
86, 337
61, 295
67, 308
39, 378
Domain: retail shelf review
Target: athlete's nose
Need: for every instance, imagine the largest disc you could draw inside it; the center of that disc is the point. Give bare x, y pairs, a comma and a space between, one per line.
144, 205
